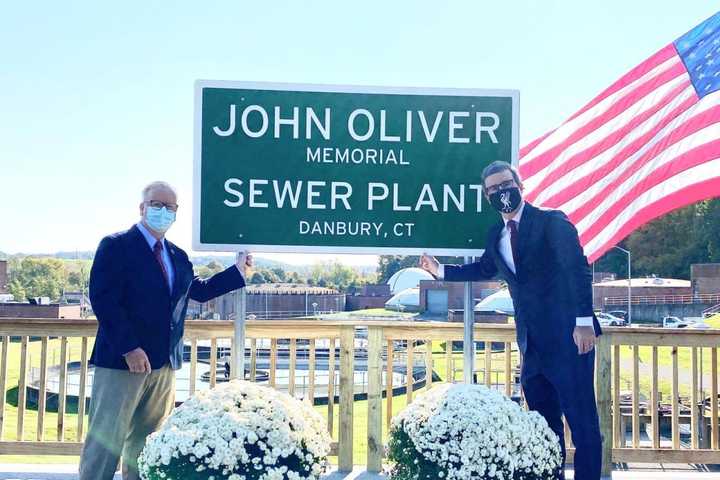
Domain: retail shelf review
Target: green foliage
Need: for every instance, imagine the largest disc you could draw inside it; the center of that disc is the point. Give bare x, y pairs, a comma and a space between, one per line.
210, 269
257, 278
336, 275
669, 245
37, 277
388, 265
407, 462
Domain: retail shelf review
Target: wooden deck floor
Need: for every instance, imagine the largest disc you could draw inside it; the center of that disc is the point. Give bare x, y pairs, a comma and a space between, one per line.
675, 472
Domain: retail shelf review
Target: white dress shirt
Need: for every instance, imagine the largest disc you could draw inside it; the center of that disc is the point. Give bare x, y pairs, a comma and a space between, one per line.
505, 249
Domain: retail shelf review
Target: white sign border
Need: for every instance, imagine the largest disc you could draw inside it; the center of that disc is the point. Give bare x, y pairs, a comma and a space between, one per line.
198, 246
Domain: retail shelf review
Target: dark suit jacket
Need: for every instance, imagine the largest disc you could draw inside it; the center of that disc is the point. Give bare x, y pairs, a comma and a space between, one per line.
134, 305
553, 283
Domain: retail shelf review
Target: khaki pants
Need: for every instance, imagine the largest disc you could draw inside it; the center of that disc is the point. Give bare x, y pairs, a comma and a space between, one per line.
124, 409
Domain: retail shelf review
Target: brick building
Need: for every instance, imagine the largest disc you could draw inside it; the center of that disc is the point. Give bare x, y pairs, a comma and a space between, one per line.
27, 310
369, 296
705, 278
438, 297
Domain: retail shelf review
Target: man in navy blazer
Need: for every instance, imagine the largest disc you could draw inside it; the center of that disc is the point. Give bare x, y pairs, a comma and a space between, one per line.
140, 284
538, 253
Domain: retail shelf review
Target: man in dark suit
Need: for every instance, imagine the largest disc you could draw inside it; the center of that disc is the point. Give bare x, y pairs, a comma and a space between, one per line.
140, 284
538, 253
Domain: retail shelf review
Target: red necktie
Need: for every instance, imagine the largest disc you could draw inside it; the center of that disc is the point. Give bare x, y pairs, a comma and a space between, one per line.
157, 250
512, 226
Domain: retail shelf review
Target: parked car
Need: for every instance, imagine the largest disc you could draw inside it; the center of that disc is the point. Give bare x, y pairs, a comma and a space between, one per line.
608, 320
673, 322
619, 313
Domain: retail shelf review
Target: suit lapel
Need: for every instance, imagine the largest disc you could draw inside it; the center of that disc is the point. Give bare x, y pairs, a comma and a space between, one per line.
172, 251
524, 230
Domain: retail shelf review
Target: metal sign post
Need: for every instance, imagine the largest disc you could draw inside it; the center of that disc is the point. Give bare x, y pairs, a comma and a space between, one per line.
468, 342
237, 369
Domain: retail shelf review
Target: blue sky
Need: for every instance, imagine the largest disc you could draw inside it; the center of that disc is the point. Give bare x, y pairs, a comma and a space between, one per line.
97, 98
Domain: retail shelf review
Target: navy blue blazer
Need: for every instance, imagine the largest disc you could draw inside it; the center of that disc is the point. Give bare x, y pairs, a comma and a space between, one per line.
134, 305
552, 285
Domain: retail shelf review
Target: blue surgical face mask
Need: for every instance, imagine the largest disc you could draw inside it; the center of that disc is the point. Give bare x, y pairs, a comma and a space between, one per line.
159, 219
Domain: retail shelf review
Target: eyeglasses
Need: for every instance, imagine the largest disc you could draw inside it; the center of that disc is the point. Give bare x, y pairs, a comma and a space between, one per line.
158, 204
500, 186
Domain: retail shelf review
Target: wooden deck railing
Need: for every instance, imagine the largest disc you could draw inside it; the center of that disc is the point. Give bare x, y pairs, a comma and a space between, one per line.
635, 367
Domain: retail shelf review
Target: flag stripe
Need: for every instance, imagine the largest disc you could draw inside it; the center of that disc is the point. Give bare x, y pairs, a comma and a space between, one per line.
682, 163
605, 165
572, 158
688, 123
661, 56
570, 131
634, 219
579, 208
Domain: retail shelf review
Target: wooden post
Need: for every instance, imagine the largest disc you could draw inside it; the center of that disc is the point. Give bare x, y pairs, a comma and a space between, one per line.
654, 400
449, 371
331, 385
273, 362
22, 388
311, 373
3, 383
62, 389
389, 384
714, 395
488, 363
428, 365
374, 427
253, 360
193, 365
83, 386
347, 386
42, 391
618, 428
694, 420
213, 362
675, 401
603, 382
636, 397
509, 380
291, 370
409, 372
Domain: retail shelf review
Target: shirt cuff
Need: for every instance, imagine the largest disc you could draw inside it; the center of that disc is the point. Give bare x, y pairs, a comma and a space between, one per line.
441, 272
584, 321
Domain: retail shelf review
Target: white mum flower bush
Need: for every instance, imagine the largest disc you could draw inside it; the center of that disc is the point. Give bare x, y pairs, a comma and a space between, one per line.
238, 431
468, 432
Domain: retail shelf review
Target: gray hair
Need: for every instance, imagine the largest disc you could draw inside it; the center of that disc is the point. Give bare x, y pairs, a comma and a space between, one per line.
497, 167
158, 185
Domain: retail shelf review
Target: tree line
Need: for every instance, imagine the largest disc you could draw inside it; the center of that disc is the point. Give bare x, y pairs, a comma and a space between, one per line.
665, 247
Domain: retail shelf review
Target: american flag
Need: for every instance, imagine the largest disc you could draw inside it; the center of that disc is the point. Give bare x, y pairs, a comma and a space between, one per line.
648, 144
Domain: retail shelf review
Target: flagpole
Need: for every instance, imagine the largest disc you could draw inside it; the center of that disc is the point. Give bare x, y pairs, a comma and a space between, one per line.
468, 342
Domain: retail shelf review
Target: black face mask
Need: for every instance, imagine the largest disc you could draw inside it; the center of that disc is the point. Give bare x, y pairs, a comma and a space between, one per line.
506, 200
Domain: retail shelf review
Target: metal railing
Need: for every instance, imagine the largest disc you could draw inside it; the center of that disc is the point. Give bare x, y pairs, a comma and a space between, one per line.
713, 298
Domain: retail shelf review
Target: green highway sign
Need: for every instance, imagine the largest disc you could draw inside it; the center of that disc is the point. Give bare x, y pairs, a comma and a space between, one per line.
347, 169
